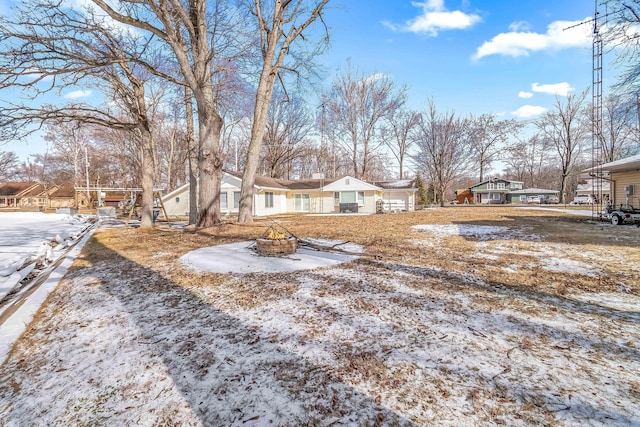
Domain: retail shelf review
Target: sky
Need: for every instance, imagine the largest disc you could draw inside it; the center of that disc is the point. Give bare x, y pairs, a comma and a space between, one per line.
500, 57
473, 56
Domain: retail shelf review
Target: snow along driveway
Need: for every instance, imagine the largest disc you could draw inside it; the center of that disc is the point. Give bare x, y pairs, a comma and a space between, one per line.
25, 237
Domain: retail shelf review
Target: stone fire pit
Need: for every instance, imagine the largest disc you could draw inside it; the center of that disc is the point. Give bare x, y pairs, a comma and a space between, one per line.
276, 243
276, 247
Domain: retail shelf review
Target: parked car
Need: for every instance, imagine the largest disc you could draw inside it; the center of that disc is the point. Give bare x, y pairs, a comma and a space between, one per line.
550, 200
582, 199
533, 200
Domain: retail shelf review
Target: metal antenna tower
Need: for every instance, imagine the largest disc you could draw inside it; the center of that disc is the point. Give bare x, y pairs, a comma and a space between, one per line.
597, 138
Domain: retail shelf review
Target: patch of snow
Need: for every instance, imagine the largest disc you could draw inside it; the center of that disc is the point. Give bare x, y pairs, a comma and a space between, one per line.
619, 301
480, 232
336, 244
14, 326
466, 230
241, 258
565, 265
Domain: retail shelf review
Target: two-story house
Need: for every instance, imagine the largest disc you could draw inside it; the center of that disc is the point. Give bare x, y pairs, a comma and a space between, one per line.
495, 190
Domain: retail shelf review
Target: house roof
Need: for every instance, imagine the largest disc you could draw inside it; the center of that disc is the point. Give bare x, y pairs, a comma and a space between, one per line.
262, 181
622, 165
588, 186
534, 191
403, 184
64, 191
495, 180
348, 183
39, 190
309, 184
14, 189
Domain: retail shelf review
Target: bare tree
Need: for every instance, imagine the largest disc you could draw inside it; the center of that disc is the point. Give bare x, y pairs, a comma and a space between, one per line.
280, 23
487, 137
621, 137
443, 149
566, 128
9, 164
356, 107
288, 125
70, 46
402, 124
197, 38
528, 159
620, 34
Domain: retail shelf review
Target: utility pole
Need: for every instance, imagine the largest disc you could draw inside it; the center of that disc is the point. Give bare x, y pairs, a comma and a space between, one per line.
597, 138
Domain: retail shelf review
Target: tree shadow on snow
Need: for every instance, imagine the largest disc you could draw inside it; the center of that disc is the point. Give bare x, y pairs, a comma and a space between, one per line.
565, 405
227, 371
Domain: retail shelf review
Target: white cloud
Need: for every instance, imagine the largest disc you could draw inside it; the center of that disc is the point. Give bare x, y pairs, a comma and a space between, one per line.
521, 42
523, 94
435, 18
374, 77
561, 89
527, 111
519, 26
78, 94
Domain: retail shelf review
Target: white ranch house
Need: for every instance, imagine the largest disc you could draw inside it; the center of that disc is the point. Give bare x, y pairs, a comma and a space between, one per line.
319, 196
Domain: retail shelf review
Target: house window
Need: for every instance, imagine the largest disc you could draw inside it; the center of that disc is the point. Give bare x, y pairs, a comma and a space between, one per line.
491, 186
336, 198
223, 201
501, 186
268, 199
496, 196
350, 197
236, 200
301, 202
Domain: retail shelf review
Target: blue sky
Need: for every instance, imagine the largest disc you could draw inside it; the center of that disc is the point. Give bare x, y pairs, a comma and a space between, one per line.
504, 57
471, 56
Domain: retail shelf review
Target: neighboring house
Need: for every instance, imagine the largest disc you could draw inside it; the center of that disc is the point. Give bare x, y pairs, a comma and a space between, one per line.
26, 195
496, 190
66, 196
12, 193
276, 196
624, 178
38, 197
502, 191
35, 196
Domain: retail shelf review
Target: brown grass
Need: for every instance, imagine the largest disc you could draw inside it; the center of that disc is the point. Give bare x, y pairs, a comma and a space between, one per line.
515, 263
607, 250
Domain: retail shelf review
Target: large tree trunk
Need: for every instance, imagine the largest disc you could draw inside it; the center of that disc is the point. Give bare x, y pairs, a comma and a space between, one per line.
263, 100
147, 179
193, 158
209, 162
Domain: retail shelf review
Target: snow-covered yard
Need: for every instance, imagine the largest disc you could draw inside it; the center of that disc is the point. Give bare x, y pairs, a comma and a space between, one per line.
26, 237
505, 317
